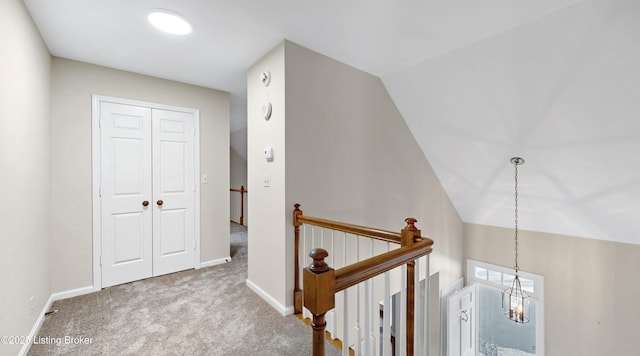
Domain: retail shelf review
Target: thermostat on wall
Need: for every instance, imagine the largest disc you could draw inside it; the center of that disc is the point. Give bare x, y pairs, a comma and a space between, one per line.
268, 153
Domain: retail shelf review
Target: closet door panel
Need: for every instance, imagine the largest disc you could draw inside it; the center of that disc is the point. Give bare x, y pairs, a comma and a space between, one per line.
174, 188
125, 149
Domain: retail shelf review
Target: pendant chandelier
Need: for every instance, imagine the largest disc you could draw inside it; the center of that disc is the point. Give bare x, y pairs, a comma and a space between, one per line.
515, 302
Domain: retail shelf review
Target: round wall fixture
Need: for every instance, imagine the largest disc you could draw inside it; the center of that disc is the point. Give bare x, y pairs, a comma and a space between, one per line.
169, 22
265, 78
265, 110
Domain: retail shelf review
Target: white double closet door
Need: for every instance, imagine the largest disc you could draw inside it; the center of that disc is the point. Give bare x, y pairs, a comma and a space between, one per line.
147, 192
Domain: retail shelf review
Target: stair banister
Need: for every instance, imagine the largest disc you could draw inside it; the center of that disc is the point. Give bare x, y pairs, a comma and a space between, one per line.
321, 282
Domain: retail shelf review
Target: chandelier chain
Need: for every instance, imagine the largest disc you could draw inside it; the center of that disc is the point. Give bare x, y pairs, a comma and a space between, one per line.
516, 219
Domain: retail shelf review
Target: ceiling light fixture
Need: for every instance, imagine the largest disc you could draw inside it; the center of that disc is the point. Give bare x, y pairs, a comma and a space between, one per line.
515, 302
169, 22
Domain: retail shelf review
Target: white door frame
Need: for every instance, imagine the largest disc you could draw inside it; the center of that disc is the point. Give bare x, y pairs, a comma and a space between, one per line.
95, 176
445, 293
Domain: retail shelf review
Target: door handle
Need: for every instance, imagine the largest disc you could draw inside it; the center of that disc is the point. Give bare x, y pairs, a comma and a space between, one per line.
464, 316
160, 202
145, 203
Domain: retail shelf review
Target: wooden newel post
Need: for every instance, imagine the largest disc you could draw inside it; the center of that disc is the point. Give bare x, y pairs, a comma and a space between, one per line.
242, 191
408, 237
319, 295
297, 293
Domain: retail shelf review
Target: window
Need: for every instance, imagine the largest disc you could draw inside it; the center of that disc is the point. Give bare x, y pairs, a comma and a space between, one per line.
496, 334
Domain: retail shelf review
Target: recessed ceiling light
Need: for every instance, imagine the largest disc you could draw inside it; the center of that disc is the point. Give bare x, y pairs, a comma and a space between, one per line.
169, 22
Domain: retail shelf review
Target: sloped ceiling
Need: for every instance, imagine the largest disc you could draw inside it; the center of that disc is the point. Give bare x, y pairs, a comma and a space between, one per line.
554, 81
563, 92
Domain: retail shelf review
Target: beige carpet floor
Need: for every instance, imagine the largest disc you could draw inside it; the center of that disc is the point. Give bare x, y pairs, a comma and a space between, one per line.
209, 311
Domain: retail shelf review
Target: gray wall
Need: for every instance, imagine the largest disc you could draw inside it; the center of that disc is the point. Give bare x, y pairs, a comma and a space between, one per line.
268, 246
73, 83
25, 66
348, 155
591, 286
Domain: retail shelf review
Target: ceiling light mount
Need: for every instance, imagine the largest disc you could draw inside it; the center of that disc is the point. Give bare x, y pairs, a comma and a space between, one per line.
169, 21
515, 302
517, 161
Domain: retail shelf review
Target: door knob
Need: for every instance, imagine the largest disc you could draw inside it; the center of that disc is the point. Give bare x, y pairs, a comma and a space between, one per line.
145, 203
160, 202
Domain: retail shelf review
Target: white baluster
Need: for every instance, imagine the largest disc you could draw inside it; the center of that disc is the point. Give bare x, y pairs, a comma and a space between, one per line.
403, 312
386, 317
358, 286
374, 311
425, 318
313, 237
417, 313
345, 324
344, 249
331, 316
367, 316
304, 257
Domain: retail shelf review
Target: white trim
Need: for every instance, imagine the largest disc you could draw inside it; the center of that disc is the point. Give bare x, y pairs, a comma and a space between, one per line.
146, 104
445, 293
72, 293
95, 193
196, 177
269, 299
36, 327
95, 176
452, 288
52, 298
219, 261
538, 280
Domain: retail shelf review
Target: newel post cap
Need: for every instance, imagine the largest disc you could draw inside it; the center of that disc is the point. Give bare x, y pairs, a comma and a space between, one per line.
411, 224
410, 233
296, 213
318, 265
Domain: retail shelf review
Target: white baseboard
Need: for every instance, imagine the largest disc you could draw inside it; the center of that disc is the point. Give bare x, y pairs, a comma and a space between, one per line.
36, 327
219, 261
72, 293
52, 298
269, 299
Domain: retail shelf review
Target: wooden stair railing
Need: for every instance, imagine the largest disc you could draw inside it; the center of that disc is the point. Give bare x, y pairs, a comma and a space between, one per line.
242, 192
321, 282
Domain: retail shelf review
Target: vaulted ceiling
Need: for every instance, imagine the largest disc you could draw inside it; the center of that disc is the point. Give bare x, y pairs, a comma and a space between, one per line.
554, 81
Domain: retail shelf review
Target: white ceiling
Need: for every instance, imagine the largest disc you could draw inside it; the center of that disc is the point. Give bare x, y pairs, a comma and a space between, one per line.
554, 81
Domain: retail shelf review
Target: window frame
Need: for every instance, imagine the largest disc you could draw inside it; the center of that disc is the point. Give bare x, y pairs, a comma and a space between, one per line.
537, 295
